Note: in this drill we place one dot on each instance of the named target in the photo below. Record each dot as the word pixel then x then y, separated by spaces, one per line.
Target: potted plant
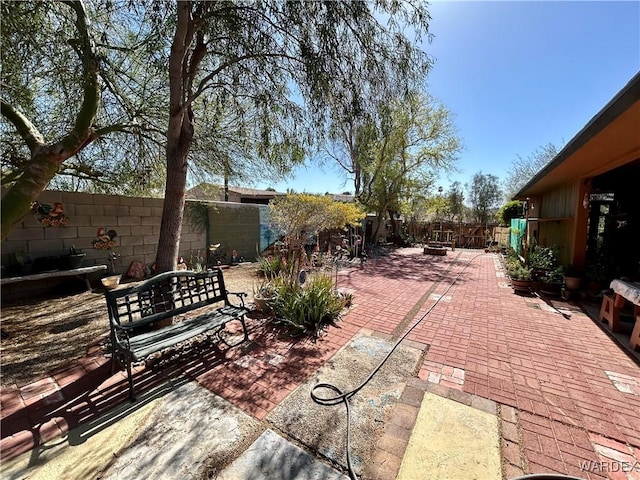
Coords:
pixel 551 281
pixel 520 277
pixel 542 260
pixel 572 278
pixel 264 297
pixel 74 259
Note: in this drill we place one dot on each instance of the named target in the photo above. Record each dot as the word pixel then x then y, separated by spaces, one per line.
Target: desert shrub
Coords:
pixel 271 266
pixel 307 308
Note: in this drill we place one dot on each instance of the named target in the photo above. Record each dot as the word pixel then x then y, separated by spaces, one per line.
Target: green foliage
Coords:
pixel 198 213
pixel 484 194
pixel 509 210
pixel 294 213
pixel 307 308
pixel 271 266
pixel 455 197
pixel 415 138
pixel 524 169
pixel 554 275
pixel 267 290
pixel 198 261
pixel 543 258
pixel 517 271
pixel 515 267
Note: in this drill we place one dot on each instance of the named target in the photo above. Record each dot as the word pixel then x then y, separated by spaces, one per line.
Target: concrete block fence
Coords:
pixel 137 224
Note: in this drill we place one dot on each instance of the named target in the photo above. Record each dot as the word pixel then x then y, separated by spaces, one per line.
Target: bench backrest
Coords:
pixel 164 296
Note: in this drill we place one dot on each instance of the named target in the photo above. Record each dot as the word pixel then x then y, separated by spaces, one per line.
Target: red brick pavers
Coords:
pixel 551 377
pixel 554 372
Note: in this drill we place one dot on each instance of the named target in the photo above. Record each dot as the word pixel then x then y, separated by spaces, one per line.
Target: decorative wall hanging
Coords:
pixel 104 240
pixel 50 216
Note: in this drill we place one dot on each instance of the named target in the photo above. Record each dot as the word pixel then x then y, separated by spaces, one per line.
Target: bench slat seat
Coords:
pixel 144 344
pixel 137 314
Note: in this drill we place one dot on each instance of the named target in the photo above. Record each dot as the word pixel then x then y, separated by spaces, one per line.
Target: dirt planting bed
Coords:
pixel 42 334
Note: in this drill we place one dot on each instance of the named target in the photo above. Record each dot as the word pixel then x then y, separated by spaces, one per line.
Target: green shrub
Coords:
pixel 271 266
pixel 543 258
pixel 307 308
pixel 517 271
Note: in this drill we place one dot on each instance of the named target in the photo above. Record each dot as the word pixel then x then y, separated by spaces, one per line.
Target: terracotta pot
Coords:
pixel 572 283
pixel 521 285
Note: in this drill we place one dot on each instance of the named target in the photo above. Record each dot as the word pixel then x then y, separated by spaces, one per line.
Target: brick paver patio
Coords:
pixel 568 397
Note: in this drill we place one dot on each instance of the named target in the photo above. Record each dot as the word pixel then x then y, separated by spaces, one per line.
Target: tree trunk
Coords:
pixel 179 140
pixel 16 204
pixel 374 237
pixel 178 147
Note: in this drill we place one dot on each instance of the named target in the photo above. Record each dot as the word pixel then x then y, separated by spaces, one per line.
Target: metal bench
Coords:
pixel 137 315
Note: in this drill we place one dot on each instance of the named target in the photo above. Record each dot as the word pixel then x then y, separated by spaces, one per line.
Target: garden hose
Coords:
pixel 344 397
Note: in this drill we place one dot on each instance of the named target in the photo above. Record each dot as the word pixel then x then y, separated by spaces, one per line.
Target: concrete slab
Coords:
pixel 453 441
pixel 85 451
pixel 190 435
pixel 322 429
pixel 271 456
pixel 177 431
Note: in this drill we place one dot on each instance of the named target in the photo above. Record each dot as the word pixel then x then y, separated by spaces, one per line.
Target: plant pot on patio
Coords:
pixel 264 297
pixel 73 260
pixel 519 286
pixel 550 288
pixel 520 278
pixel 263 304
pixel 572 283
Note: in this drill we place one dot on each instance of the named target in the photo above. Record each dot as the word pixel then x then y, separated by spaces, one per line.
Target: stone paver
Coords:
pixel 565 392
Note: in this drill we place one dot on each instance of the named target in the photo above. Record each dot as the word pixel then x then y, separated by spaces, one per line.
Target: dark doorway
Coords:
pixel 614 223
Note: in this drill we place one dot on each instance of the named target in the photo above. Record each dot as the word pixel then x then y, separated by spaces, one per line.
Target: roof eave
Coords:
pixel 623 100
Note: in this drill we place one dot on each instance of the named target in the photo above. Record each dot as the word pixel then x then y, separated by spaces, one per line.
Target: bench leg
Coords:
pixel 244 328
pixel 634 341
pixel 610 313
pixel 132 396
pixel 219 334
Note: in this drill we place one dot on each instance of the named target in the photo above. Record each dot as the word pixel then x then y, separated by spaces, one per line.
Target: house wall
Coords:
pixel 559 203
pixel 556 218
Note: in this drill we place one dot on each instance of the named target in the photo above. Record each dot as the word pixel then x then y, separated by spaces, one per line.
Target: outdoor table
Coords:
pixel 81 273
pixel 628 292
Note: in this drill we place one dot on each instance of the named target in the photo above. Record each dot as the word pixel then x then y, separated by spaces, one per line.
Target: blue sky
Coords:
pixel 516 76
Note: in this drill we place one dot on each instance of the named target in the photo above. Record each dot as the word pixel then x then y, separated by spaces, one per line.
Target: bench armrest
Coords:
pixel 240 296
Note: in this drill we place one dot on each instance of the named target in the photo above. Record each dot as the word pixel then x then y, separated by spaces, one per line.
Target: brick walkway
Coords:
pixel 568 397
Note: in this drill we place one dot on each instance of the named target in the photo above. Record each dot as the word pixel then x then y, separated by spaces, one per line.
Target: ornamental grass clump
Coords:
pixel 271 266
pixel 307 308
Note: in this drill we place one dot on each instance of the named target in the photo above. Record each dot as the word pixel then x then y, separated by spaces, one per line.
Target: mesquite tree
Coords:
pixel 75 93
pixel 337 56
pixel 47 157
pixel 398 156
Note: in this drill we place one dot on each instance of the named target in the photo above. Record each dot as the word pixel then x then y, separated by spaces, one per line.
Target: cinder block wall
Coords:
pixel 136 221
pixel 235 226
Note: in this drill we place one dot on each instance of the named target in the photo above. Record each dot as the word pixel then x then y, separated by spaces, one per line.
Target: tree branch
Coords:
pixel 27 130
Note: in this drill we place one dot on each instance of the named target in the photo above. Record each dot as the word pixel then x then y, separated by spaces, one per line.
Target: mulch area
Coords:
pixel 46 333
